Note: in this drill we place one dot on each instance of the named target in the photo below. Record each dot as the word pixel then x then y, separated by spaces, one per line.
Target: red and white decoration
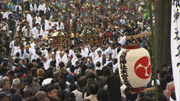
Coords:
pixel 134 67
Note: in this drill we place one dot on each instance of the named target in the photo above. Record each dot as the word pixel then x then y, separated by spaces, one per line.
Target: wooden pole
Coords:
pixel 138 35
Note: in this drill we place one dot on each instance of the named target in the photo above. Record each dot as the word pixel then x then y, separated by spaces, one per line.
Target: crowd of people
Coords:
pixel 33 67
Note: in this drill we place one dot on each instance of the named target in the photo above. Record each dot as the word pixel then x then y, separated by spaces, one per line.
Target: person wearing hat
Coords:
pixel 70 79
pixel 23 40
pixel 27 52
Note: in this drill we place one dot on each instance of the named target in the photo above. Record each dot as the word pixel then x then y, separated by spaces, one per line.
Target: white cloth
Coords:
pixel 20 8
pixel 122 88
pixel 23 29
pixel 6 15
pixel 37 34
pixel 47 56
pixel 18 25
pixel 60 26
pixel 11 45
pixel 44 52
pixel 98 68
pixel 46 81
pixel 158 82
pixel 34 30
pixel 115 53
pixel 78 95
pixel 98 59
pixel 38 19
pixel 85 51
pixel 71 52
pixel 98 49
pixel 74 59
pixel 42 7
pixel 46 67
pixel 27 55
pixel 114 67
pixel 140 24
pixel 122 40
pixel 29 19
pixel 33 8
pixel 108 52
pixel 93 55
pixel 34 56
pixel 15 50
pixel 47 27
pixel 20 52
pixel 59 59
pixel 32 44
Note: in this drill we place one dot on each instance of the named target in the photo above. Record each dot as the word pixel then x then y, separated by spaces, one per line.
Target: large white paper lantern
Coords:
pixel 134 68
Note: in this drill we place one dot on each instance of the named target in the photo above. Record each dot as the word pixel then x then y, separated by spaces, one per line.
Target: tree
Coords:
pixel 162 32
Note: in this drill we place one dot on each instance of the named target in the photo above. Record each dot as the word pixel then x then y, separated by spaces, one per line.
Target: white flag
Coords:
pixel 175 45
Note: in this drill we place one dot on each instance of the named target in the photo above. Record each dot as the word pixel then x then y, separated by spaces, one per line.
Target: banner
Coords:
pixel 175 45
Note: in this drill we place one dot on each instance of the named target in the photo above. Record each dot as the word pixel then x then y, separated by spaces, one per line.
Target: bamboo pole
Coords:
pixel 153 52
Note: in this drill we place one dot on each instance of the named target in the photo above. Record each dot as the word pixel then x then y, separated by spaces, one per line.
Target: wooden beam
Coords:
pixel 138 35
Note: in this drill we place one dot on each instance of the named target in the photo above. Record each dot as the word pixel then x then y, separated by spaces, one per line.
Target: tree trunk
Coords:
pixel 162 32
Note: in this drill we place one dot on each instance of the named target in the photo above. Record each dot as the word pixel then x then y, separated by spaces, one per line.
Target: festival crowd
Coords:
pixel 33 67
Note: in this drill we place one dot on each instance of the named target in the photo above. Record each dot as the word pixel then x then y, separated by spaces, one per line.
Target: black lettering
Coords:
pixel 176 2
pixel 178 64
pixel 178 48
pixel 123 67
pixel 177 37
pixel 176 15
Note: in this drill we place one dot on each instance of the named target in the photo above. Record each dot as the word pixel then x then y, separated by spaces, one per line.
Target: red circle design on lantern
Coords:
pixel 142 68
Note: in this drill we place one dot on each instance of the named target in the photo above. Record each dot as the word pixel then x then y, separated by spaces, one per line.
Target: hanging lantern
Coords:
pixel 134 68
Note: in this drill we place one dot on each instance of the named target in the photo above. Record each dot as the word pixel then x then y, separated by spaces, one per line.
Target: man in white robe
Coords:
pixel 98 57
pixel 53 58
pixel 61 56
pixel 93 54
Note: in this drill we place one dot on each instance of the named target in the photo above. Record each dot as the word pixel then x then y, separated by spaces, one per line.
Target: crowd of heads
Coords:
pixel 35 67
